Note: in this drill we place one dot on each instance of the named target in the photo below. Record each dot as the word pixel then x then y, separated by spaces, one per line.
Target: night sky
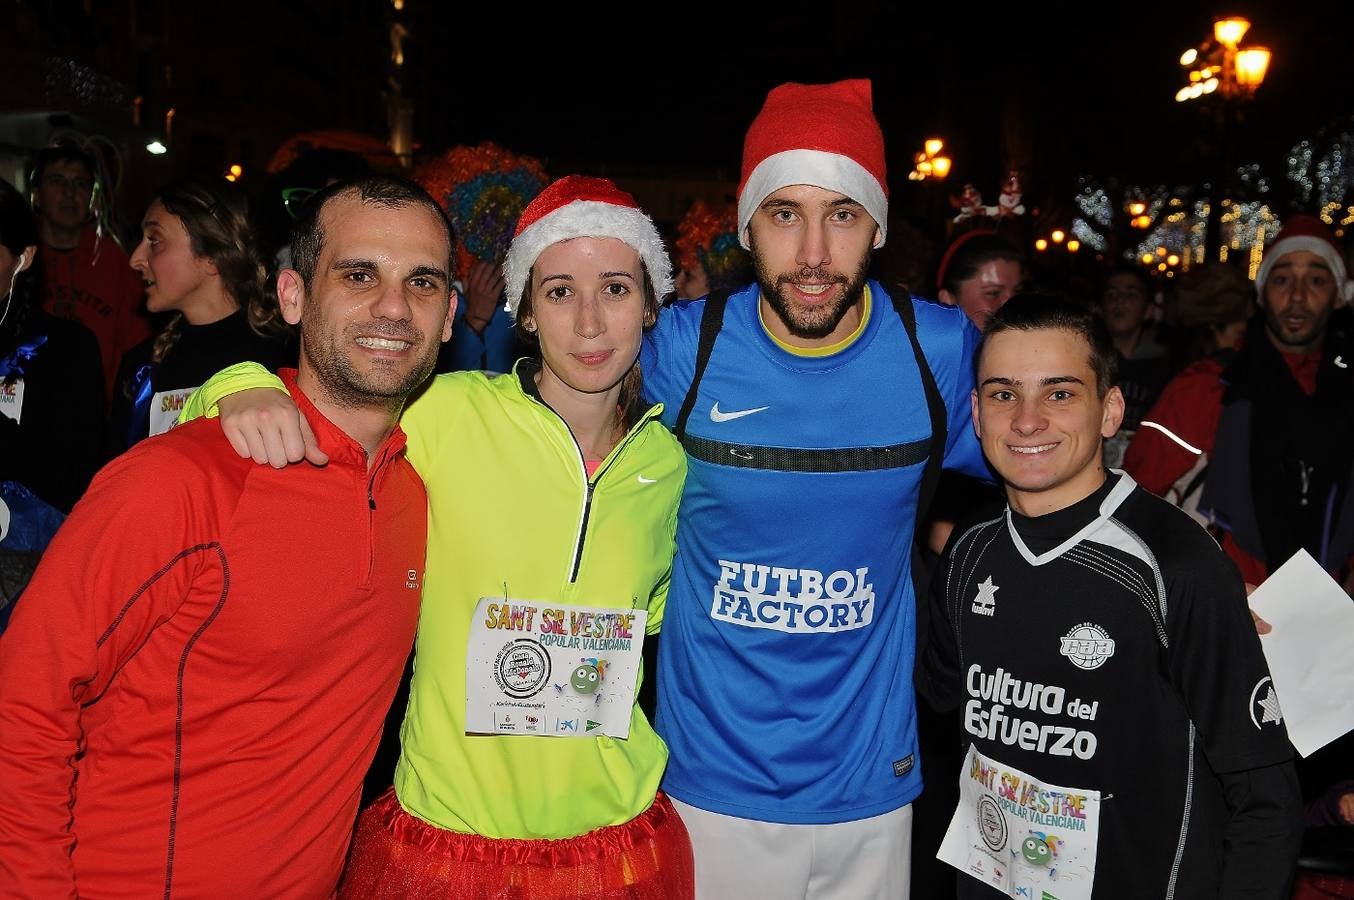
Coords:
pixel 1078 97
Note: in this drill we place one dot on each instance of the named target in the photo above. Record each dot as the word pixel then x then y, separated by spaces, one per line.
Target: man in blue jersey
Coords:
pixel 815 410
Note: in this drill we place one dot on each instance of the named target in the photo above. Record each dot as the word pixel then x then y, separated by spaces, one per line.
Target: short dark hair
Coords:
pixel 393 191
pixel 970 252
pixel 1134 271
pixel 1033 312
pixel 62 153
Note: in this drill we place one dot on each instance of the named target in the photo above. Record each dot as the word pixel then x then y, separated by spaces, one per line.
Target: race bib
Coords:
pixel 549 670
pixel 12 399
pixel 1021 836
pixel 165 407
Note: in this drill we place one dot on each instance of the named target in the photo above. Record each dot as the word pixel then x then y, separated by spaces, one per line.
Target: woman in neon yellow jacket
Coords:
pixel 527 768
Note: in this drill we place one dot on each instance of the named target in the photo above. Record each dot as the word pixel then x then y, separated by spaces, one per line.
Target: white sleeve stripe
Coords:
pixel 1172 435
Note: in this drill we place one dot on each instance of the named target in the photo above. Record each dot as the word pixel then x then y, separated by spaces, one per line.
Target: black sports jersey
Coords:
pixel 1108 646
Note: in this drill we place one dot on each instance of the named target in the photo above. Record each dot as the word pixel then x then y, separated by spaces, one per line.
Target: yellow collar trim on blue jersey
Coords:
pixel 831 348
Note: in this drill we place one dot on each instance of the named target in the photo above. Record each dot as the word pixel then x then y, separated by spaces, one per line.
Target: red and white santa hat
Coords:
pixel 824 135
pixel 578 206
pixel 1306 232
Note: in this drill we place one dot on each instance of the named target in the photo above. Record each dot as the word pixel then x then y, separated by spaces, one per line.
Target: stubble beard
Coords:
pixel 384 387
pixel 812 323
pixel 1296 341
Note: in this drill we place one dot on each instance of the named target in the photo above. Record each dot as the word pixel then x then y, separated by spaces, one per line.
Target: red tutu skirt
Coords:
pixel 396 855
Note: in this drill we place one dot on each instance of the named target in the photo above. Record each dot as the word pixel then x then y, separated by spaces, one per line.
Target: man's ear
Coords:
pixel 452 298
pixel 973 409
pixel 1114 413
pixel 291 295
pixel 947 298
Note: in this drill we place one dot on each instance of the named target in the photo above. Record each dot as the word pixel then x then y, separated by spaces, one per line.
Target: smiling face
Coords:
pixel 1039 418
pixel 1036 852
pixel 377 307
pixel 587 308
pixel 811 250
pixel 584 679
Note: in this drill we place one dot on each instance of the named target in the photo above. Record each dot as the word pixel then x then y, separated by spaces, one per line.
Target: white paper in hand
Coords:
pixel 1310 651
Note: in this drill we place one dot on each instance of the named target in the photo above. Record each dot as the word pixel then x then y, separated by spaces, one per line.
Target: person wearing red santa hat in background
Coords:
pixel 1269 434
pixel 554 486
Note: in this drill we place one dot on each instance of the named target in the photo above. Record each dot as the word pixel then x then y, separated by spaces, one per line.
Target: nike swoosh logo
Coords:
pixel 718 415
pixel 643 480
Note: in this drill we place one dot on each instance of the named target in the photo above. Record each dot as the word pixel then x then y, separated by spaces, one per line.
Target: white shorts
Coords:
pixel 868 859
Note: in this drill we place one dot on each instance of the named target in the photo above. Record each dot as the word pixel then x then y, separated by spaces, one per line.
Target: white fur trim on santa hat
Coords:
pixel 586 218
pixel 1344 288
pixel 830 171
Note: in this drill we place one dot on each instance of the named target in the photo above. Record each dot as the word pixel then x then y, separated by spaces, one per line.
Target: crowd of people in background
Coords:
pixel 776 441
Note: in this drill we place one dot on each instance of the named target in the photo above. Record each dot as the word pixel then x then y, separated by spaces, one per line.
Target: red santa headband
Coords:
pixel 1304 232
pixel 823 135
pixel 578 206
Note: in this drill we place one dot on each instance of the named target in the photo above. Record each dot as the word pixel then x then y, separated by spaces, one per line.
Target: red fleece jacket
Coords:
pixel 194 683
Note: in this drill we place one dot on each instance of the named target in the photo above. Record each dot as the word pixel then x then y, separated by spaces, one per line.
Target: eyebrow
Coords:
pixel 1315 263
pixel 776 202
pixel 428 272
pixel 566 277
pixel 367 265
pixel 1043 382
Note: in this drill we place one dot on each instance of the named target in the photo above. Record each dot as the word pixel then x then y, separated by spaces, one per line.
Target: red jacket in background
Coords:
pixel 194 683
pixel 1177 433
pixel 1172 446
pixel 94 285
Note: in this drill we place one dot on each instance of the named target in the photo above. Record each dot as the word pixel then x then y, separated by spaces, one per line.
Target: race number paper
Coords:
pixel 549 670
pixel 12 399
pixel 165 407
pixel 1021 836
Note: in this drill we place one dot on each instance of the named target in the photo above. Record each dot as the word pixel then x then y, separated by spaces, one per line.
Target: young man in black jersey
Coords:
pixel 1124 737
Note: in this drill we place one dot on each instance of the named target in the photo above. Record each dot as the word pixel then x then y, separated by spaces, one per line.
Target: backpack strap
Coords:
pixel 712 320
pixel 934 405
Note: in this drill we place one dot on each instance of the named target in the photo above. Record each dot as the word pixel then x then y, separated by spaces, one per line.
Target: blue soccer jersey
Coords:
pixel 785 675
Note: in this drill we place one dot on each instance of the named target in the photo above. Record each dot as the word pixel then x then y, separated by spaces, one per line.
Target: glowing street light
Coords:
pixel 1229 75
pixel 930 163
pixel 1226 69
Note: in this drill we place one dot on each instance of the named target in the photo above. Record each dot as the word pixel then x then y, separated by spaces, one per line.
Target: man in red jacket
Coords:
pixel 195 680
pixel 84 272
pixel 1260 441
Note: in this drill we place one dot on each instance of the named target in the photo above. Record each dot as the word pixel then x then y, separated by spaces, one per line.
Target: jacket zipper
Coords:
pixel 381 459
pixel 591 483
